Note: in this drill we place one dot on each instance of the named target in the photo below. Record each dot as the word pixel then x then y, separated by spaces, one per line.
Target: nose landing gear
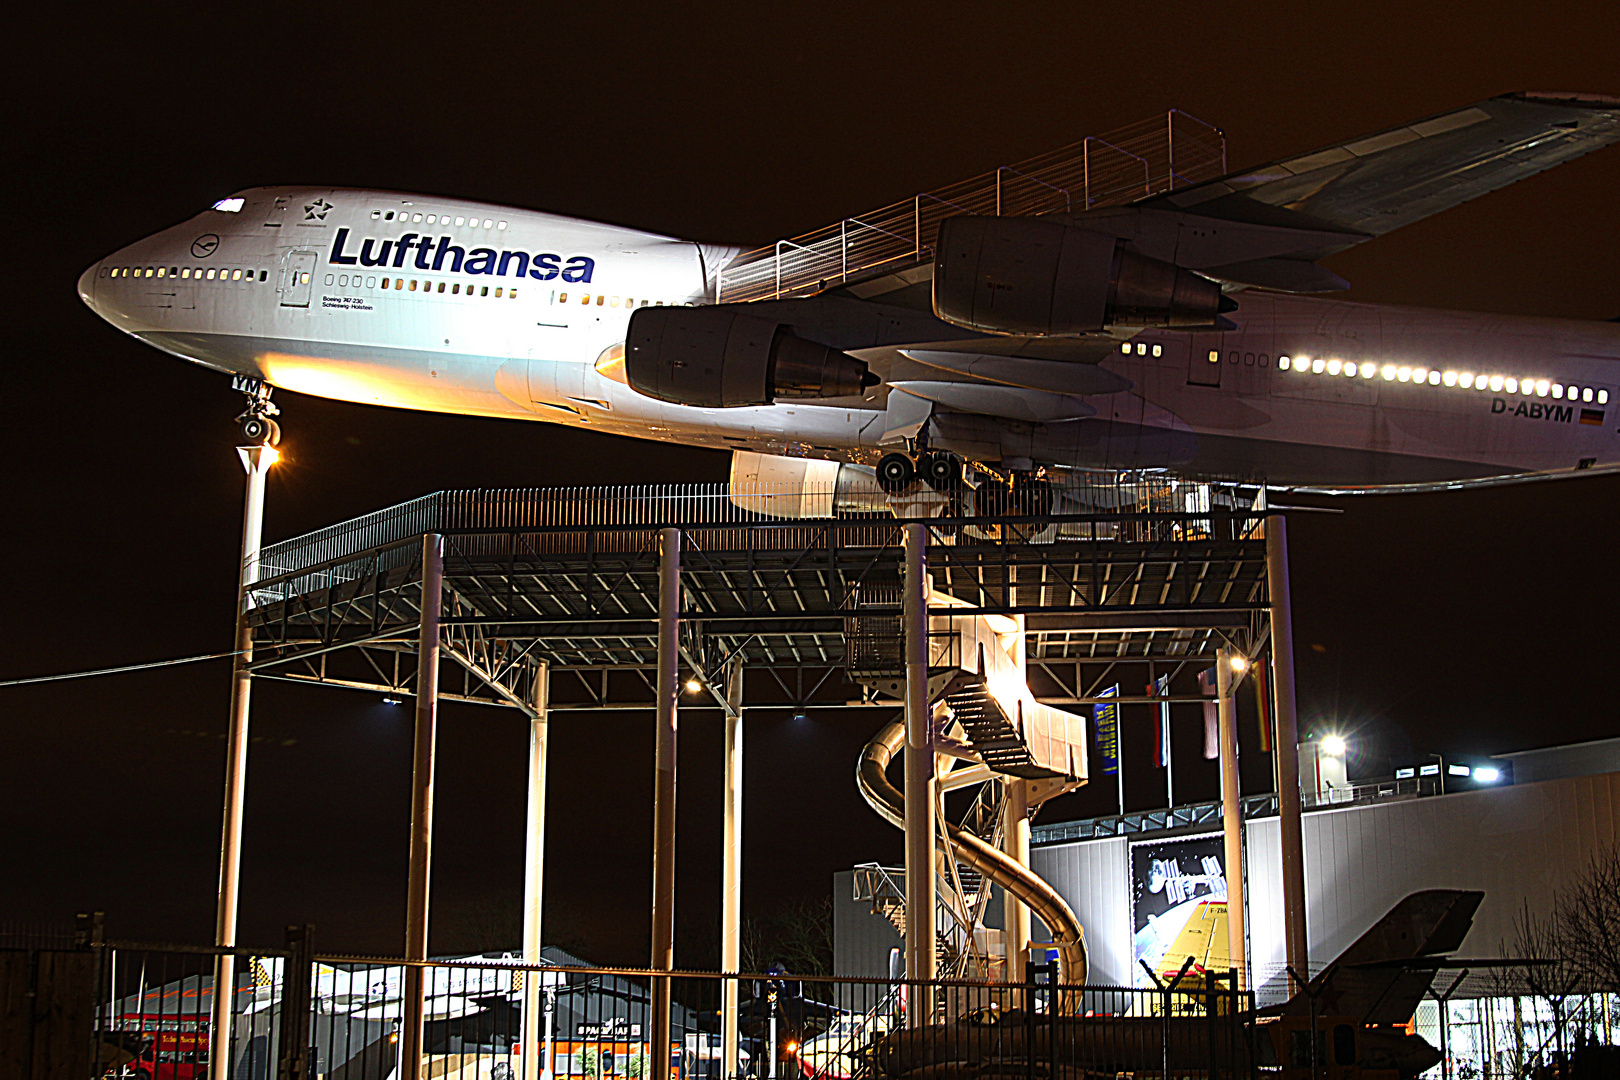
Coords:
pixel 256 425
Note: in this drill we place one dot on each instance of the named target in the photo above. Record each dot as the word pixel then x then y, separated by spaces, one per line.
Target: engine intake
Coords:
pixel 1039 276
pixel 721 357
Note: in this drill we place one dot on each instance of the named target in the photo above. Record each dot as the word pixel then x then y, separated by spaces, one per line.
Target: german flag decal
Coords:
pixel 1592 416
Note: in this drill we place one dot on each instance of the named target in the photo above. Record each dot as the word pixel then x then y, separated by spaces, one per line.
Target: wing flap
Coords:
pixel 1377 183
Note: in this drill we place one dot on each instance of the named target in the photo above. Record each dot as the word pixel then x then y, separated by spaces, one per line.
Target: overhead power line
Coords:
pixel 114 670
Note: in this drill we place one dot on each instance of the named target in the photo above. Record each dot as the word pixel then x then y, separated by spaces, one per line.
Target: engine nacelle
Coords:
pixel 721 357
pixel 787 487
pixel 1039 276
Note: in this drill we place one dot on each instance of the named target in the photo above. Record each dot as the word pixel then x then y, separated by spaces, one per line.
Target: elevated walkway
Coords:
pixel 1129 163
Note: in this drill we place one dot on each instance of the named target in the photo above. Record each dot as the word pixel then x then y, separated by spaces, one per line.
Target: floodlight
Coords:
pixel 1487 774
pixel 1429 770
pixel 693 686
pixel 1405 774
pixel 1240 663
pixel 1458 770
pixel 1333 745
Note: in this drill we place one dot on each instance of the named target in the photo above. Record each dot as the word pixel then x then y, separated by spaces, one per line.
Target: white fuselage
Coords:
pixel 450 306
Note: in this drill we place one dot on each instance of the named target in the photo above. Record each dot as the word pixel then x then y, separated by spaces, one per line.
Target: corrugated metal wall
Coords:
pixel 1518 843
pixel 1094 878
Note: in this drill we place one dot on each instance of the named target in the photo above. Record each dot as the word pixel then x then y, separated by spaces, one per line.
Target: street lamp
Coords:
pixel 1334 745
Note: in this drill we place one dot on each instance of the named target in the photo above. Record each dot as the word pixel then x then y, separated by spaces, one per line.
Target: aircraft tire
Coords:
pixel 943 471
pixel 895 473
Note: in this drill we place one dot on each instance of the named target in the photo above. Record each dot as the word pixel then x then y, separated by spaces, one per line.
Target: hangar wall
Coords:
pixel 1519 843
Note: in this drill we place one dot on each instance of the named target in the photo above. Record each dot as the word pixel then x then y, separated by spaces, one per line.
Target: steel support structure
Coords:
pixel 418 879
pixel 921 787
pixel 731 872
pixel 1231 818
pixel 256 460
pixel 667 690
pixel 1285 742
pixel 534 868
pixel 1015 842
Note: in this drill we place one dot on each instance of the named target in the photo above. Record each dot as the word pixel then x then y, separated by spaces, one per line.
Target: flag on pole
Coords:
pixel 1262 697
pixel 1160 687
pixel 1106 720
pixel 1212 715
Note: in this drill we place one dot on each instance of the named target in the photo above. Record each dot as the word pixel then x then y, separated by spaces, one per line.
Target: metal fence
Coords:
pixel 1126 164
pixel 497 1018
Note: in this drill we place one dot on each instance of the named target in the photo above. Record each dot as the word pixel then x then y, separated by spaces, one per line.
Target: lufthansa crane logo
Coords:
pixel 316 211
pixel 205 245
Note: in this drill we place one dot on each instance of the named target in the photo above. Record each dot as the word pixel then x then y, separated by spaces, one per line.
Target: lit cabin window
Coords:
pixel 413 284
pixel 416 217
pixel 488 223
pixel 375 214
pixel 431 218
pixel 562 298
pixel 385 283
pixel 500 225
pixel 497 292
pixel 629 302
pixel 1558 390
pixel 461 221
pixel 1283 362
pixel 1141 349
pixel 1434 378
pixel 455 289
pixel 511 294
pixel 210 274
pixel 484 291
pixel 1586 393
pixel 584 298
pixel 1158 350
pixel 1603 397
pixel 185 273
pixel 1317 366
pixel 1125 348
pixel 441 287
pixel 236 275
pixel 1496 383
pixel 599 298
pixel 614 302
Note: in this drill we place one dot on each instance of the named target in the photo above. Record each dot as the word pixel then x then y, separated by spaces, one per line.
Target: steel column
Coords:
pixel 534 862
pixel 731 871
pixel 256 460
pixel 921 790
pixel 1231 817
pixel 1285 740
pixel 1015 842
pixel 666 689
pixel 421 858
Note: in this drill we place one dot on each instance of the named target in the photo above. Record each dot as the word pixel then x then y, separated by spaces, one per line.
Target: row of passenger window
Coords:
pixel 435 219
pixel 197 273
pixel 453 288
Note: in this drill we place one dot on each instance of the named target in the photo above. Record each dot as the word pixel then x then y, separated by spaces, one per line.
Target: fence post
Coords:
pixel 292 1060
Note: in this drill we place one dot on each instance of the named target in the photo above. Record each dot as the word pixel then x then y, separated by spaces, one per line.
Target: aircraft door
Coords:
pixel 1204 360
pixel 297 271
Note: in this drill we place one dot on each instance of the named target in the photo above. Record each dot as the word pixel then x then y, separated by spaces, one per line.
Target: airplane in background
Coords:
pixel 1171 331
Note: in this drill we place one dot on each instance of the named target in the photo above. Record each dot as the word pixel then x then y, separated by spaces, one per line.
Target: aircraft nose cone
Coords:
pixel 87 285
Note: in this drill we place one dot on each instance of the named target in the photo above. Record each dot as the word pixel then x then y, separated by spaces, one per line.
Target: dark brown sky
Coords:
pixel 1462 623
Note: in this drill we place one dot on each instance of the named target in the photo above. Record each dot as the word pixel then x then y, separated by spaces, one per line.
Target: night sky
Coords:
pixel 1464 624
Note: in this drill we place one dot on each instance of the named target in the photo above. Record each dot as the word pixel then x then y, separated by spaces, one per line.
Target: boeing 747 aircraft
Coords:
pixel 1170 330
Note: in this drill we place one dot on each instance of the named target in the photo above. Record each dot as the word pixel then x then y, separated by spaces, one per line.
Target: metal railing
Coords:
pixel 1076 506
pixel 1141 159
pixel 337 1016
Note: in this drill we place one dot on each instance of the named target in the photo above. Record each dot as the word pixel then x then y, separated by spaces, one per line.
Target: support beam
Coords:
pixel 731 872
pixel 666 689
pixel 1231 816
pixel 1285 741
pixel 920 790
pixel 257 461
pixel 1015 842
pixel 421 858
pixel 534 862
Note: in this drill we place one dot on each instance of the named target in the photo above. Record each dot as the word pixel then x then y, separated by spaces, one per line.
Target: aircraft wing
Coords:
pixel 1377 183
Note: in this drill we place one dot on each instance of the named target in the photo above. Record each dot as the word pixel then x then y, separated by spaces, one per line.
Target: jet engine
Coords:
pixel 721 357
pixel 787 487
pixel 1040 276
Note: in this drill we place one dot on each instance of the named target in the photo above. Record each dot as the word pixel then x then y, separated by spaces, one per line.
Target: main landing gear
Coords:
pixel 942 471
pixel 256 424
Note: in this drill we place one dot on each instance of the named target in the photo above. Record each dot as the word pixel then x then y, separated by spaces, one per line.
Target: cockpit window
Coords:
pixel 229 206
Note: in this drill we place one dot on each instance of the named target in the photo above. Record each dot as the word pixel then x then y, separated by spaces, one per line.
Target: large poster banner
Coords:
pixel 1178 906
pixel 1106 720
